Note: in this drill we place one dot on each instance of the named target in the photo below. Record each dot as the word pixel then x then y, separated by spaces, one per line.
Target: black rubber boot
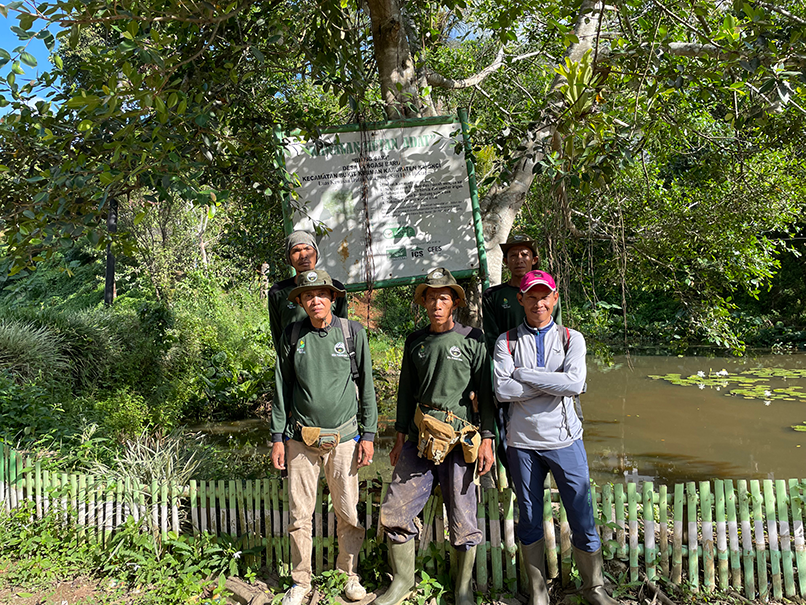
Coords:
pixel 463 593
pixel 590 566
pixel 534 559
pixel 401 560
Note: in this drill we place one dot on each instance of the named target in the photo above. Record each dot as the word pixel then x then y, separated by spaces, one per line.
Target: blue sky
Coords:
pixel 9 41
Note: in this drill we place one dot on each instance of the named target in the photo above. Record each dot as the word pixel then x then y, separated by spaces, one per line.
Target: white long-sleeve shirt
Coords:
pixel 541 411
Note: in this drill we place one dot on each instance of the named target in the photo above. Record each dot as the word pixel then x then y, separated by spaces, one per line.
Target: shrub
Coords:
pixel 28 350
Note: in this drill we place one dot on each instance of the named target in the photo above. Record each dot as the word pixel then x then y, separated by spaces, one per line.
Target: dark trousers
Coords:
pixel 412 482
pixel 569 466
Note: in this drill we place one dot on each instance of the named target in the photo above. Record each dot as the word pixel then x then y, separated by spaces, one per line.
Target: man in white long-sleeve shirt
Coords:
pixel 540 368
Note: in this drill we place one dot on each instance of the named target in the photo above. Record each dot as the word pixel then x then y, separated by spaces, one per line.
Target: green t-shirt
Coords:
pixel 440 370
pixel 314 384
pixel 283 312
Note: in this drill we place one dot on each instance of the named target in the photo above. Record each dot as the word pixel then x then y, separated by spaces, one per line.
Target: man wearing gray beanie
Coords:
pixel 302 253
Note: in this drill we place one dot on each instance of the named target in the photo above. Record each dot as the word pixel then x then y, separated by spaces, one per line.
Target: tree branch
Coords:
pixel 684 23
pixel 781 11
pixel 440 81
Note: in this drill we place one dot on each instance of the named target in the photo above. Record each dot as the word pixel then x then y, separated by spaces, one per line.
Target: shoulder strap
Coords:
pixel 512 335
pixel 349 343
pixel 295 328
pixel 565 336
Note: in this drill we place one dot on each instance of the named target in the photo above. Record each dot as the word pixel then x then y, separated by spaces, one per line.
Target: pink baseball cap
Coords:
pixel 537 278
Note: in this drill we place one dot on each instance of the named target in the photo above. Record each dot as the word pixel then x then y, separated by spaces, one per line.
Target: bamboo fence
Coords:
pixel 745 536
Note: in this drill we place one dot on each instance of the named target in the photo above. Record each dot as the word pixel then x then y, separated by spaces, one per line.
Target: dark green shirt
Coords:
pixel 501 311
pixel 283 312
pixel 315 386
pixel 440 371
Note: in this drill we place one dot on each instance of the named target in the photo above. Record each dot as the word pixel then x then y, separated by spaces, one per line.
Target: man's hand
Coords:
pixel 394 455
pixel 486 456
pixel 278 455
pixel 366 449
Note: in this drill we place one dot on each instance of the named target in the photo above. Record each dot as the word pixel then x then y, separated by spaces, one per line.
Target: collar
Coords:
pixel 542 330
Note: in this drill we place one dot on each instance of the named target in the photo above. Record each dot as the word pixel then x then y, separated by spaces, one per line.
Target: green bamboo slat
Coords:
pixel 621 534
pixel 693 546
pixel 552 567
pixel 46 495
pixel 796 503
pixel 240 500
pixel 100 507
pixel 164 510
pixel 772 535
pixel 632 520
pixel 608 520
pixel 429 512
pixel 331 534
pixel 319 528
pixel 29 480
pixel 175 508
pixel 482 549
pixel 257 536
pixel 733 536
pixel 439 530
pixel 109 511
pixel 154 517
pixel 663 520
pixel 384 488
pixel 244 515
pixel 204 506
pixel 119 518
pixel 565 547
pixel 285 539
pixel 141 503
pixel 54 494
pixel 721 535
pixel 267 523
pixel 275 521
pixel 194 507
pixel 510 546
pixel 235 508
pixel 12 479
pixel 761 551
pixel 20 483
pixel 222 505
pixel 38 481
pixel 73 499
pixel 91 505
pixel 368 517
pixel 650 552
pixel 82 506
pixel 707 517
pixel 747 540
pixel 782 500
pixel 496 549
pixel 3 478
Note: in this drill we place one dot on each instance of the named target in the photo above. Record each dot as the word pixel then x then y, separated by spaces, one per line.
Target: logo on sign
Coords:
pixel 398 232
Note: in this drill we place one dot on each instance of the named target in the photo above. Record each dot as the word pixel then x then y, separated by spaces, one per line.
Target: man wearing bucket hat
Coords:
pixel 438 435
pixel 540 376
pixel 326 422
pixel 302 253
pixel 501 311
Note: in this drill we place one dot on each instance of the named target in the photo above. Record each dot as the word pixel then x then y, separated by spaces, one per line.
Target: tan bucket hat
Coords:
pixel 439 278
pixel 311 280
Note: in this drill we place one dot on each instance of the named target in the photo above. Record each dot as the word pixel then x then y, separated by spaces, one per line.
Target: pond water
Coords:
pixel 649 428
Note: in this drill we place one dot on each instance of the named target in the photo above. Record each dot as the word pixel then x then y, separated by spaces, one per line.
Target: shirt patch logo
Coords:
pixel 505 304
pixel 340 348
pixel 311 276
pixel 421 353
pixel 301 346
pixel 291 305
pixel 455 353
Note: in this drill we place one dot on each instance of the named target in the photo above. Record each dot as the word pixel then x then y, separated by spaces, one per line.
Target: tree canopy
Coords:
pixel 658 139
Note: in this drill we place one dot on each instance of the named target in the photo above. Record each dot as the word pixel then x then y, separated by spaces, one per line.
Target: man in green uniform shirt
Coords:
pixel 326 422
pixel 444 378
pixel 302 253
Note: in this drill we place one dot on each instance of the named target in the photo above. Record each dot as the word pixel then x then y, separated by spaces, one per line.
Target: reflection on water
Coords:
pixel 650 429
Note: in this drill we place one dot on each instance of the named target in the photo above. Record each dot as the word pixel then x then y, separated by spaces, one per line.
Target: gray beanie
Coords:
pixel 300 237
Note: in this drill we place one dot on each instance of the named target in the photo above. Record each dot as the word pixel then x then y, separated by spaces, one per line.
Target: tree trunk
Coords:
pixel 110 292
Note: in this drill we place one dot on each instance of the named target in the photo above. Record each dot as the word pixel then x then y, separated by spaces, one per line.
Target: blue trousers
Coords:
pixel 569 466
pixel 412 482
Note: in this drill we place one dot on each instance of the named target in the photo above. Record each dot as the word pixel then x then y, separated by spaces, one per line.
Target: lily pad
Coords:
pixel 749 384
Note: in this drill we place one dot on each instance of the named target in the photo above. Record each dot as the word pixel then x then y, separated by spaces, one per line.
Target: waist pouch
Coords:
pixel 327 439
pixel 436 439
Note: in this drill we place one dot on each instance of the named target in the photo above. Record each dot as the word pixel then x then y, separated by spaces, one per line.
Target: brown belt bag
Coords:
pixel 436 439
pixel 327 439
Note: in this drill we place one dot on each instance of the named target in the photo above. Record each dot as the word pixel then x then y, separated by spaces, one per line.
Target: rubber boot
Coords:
pixel 534 559
pixel 590 566
pixel 463 586
pixel 401 560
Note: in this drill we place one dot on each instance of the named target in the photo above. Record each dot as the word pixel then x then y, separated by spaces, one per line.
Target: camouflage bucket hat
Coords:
pixel 312 280
pixel 439 278
pixel 518 239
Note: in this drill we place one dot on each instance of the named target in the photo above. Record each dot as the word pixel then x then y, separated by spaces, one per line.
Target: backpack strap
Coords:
pixel 565 336
pixel 512 335
pixel 295 328
pixel 350 344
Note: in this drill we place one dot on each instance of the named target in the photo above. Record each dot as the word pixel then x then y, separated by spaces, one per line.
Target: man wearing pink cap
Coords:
pixel 539 368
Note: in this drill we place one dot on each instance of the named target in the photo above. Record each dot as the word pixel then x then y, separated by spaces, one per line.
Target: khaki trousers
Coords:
pixel 341 473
